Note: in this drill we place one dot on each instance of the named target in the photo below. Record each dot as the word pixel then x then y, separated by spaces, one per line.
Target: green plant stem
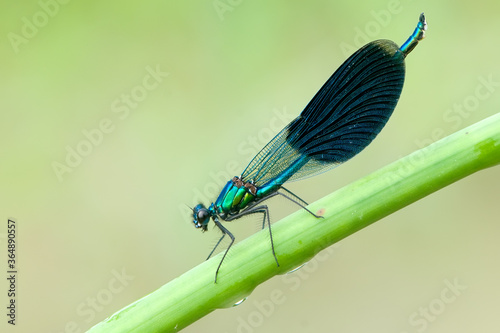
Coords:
pixel 298 237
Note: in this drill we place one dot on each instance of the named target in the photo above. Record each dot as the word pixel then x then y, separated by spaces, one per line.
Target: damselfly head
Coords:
pixel 201 216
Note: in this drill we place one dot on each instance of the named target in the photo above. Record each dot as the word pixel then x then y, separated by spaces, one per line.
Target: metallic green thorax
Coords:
pixel 238 194
pixel 235 196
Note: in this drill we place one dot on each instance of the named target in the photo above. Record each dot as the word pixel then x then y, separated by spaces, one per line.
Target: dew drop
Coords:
pixel 296 268
pixel 240 301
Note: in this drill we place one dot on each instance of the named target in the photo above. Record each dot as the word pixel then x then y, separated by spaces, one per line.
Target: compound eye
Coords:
pixel 201 216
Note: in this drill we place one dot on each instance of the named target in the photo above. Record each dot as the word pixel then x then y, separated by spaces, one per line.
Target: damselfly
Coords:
pixel 344 116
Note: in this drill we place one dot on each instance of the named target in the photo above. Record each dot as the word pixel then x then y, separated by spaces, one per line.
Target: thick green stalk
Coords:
pixel 298 237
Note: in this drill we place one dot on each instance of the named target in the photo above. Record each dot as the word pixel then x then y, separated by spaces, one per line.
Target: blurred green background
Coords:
pixel 116 115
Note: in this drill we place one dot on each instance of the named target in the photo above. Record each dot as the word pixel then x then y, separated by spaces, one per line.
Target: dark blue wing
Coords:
pixel 344 116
